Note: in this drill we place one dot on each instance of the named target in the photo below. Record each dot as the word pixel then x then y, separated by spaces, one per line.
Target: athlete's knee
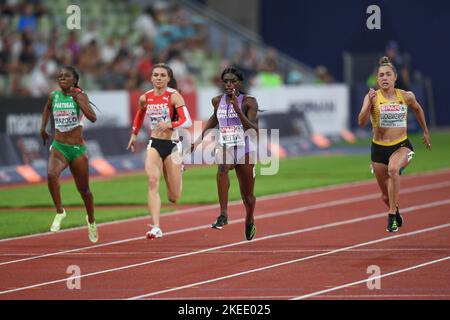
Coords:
pixel 393 170
pixel 85 191
pixel 153 182
pixel 249 199
pixel 173 196
pixel 222 171
pixel 52 177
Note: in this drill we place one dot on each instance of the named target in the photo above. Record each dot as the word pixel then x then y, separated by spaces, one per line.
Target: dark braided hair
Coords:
pixel 76 75
pixel 233 70
pixel 239 74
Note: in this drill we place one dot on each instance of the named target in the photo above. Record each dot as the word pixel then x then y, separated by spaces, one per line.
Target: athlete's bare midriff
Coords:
pixel 167 134
pixel 73 137
pixel 386 135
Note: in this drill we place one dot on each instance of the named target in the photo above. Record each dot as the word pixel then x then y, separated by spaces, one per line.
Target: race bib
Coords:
pixel 66 120
pixel 393 116
pixel 159 115
pixel 232 136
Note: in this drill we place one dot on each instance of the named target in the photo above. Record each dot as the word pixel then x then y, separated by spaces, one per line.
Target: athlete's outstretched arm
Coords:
pixel 411 101
pixel 45 117
pixel 137 123
pixel 364 115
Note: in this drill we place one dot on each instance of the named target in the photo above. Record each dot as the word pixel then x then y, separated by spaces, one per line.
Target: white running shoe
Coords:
pixel 93 234
pixel 154 233
pixel 56 225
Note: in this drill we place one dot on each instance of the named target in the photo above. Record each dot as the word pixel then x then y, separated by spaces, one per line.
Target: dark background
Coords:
pixel 319 31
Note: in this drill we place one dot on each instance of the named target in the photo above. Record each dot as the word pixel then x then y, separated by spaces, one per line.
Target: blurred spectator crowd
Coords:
pixel 117 45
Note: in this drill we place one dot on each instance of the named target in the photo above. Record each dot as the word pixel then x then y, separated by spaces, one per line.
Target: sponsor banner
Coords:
pixel 22 150
pixel 29 150
pixel 21 115
pixel 325 107
pixel 113 109
pixel 98 167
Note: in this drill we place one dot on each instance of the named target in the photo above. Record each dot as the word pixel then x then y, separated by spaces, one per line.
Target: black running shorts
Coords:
pixel 381 154
pixel 164 147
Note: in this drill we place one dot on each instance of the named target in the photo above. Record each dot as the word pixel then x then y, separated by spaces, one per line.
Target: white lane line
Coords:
pixel 258 216
pixel 318 293
pixel 289 262
pixel 239 202
pixel 330 225
pixel 131 253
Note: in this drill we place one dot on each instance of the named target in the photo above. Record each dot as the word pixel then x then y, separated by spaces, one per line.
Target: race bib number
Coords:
pixel 66 119
pixel 393 116
pixel 159 115
pixel 232 136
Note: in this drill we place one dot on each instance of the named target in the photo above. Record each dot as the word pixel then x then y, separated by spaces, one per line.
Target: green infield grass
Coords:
pixel 199 184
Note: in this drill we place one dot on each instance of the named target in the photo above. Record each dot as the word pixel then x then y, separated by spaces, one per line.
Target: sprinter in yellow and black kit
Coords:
pixel 391 150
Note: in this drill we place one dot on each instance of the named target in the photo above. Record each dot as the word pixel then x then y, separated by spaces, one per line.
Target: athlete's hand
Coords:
pixel 372 94
pixel 234 101
pixel 427 140
pixel 45 136
pixel 75 91
pixel 131 142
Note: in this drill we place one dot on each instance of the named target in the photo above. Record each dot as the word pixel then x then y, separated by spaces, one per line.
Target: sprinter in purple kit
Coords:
pixel 235 114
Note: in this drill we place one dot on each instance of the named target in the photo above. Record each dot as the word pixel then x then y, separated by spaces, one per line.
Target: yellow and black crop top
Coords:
pixel 389 114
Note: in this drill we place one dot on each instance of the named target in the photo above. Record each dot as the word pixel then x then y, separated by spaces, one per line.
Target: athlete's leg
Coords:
pixel 381 173
pixel 398 160
pixel 173 176
pixel 153 168
pixel 80 171
pixel 56 164
pixel 246 178
pixel 223 180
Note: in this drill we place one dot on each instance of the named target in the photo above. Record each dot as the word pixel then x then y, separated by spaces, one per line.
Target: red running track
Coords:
pixel 315 244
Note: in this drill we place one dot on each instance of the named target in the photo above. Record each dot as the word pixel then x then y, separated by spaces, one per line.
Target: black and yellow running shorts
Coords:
pixel 381 154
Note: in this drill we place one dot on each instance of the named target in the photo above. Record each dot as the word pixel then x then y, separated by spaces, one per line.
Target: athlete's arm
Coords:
pixel 184 120
pixel 248 113
pixel 82 100
pixel 45 117
pixel 364 115
pixel 137 123
pixel 139 117
pixel 411 101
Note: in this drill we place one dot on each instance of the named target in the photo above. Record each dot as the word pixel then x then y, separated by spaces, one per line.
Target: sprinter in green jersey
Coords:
pixel 68 149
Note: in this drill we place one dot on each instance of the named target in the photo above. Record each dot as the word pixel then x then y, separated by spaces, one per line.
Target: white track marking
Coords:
pixel 239 202
pixel 291 262
pixel 259 216
pixel 131 253
pixel 330 225
pixel 317 293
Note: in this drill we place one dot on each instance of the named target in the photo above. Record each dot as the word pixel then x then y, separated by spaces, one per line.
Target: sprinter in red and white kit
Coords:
pixel 166 110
